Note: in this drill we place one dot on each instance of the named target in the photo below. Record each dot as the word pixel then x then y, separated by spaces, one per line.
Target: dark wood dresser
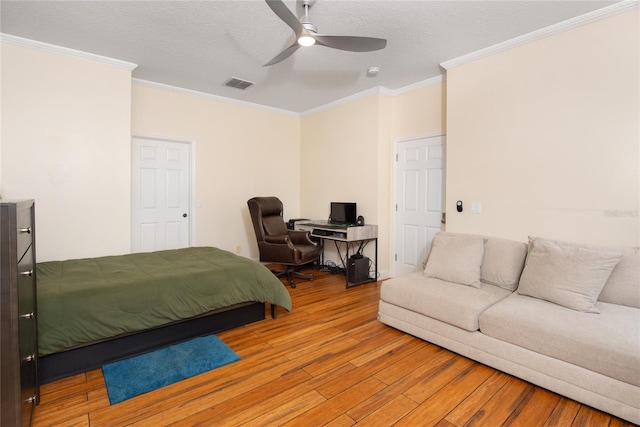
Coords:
pixel 19 388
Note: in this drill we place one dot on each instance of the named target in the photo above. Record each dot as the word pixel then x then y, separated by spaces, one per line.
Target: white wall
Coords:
pixel 240 152
pixel 546 137
pixel 66 144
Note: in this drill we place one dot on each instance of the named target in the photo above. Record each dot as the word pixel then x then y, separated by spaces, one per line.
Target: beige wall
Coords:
pixel 420 112
pixel 546 137
pixel 66 144
pixel 240 153
pixel 339 160
pixel 348 154
pixel 339 155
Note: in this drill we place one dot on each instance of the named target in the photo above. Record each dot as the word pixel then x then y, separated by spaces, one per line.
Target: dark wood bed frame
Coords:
pixel 92 356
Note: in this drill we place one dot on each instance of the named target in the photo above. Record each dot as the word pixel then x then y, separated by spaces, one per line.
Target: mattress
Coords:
pixel 81 301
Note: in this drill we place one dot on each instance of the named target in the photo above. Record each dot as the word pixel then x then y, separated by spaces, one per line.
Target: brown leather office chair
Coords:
pixel 276 243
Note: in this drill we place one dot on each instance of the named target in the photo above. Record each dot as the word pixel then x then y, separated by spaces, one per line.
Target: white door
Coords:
pixel 419 200
pixel 160 195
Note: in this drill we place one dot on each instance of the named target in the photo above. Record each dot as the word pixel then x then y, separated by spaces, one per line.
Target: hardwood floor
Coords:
pixel 328 362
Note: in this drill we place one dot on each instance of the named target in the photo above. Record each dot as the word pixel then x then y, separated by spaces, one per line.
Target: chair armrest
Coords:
pixel 299 237
pixel 278 249
pixel 283 239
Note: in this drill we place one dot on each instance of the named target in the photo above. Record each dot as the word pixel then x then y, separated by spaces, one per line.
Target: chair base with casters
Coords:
pixel 279 245
pixel 290 273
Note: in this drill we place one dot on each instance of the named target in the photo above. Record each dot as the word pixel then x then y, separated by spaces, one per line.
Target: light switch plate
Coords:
pixel 475 207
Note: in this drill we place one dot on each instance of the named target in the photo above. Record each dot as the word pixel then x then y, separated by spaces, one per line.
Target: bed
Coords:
pixel 96 310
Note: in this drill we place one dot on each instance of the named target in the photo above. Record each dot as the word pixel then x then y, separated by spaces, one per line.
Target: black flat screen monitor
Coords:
pixel 343 213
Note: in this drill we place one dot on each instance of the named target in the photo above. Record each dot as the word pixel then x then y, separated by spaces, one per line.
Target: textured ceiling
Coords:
pixel 198 45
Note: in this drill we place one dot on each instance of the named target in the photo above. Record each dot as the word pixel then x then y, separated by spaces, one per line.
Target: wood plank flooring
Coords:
pixel 327 363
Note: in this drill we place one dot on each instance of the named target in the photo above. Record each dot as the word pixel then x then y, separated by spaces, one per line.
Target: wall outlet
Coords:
pixel 237 249
pixel 475 207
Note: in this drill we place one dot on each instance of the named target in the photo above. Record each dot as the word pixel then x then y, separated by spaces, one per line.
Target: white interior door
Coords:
pixel 160 195
pixel 419 200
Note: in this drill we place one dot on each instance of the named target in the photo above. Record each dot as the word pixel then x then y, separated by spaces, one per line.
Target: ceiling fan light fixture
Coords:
pixel 306 40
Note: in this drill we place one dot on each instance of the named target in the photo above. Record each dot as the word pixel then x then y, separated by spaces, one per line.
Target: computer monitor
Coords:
pixel 343 213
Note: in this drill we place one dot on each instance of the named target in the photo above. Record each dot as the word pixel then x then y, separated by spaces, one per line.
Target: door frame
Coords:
pixel 192 179
pixel 394 193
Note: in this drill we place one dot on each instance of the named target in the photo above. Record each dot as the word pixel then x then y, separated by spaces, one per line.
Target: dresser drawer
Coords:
pixel 26 283
pixel 28 393
pixel 24 228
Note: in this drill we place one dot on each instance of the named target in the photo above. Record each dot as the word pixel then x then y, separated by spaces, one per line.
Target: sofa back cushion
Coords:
pixel 566 274
pixel 623 285
pixel 502 260
pixel 456 259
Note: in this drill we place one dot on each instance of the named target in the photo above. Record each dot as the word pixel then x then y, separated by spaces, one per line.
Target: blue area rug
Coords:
pixel 139 374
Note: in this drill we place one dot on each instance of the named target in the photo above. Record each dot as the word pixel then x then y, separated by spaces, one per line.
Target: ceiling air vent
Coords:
pixel 238 83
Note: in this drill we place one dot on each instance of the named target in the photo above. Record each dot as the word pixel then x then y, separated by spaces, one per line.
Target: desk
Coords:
pixel 348 235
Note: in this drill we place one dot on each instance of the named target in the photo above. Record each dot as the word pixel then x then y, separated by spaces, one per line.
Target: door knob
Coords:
pixel 184 215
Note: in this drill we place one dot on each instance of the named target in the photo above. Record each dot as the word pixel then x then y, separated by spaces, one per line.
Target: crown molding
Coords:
pixel 419 85
pixel 66 51
pixel 378 90
pixel 544 32
pixel 211 97
pixel 347 99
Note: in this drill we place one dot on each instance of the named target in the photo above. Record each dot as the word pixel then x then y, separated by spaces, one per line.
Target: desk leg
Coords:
pixel 375 278
pixel 346 267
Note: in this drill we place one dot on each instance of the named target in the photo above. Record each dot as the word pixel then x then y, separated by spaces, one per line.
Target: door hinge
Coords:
pixel 396 157
pixel 396 257
pixel 396 207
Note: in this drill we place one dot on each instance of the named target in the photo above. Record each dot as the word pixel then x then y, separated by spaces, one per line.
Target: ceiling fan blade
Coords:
pixel 283 12
pixel 284 54
pixel 351 43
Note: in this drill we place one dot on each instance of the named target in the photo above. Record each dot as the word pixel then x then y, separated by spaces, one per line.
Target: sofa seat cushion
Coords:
pixel 448 302
pixel 608 343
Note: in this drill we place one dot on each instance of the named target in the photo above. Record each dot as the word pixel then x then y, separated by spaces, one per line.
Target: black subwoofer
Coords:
pixel 358 269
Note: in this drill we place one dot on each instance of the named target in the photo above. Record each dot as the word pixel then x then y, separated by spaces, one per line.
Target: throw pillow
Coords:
pixel 565 274
pixel 455 259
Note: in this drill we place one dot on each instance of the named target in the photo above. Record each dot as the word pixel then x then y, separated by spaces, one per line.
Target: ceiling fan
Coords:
pixel 307 34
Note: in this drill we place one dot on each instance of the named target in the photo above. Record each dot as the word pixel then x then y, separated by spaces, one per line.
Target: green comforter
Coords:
pixel 86 300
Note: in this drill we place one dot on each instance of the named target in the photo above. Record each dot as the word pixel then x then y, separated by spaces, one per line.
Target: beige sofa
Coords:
pixel 560 315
